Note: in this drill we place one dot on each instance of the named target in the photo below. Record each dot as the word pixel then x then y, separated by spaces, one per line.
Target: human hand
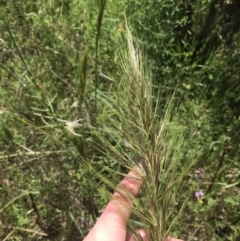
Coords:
pixel 111 226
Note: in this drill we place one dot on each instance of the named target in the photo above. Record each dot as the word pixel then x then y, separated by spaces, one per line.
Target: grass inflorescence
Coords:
pixel 142 128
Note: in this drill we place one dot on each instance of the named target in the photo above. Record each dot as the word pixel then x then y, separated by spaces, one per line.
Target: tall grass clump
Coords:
pixel 134 126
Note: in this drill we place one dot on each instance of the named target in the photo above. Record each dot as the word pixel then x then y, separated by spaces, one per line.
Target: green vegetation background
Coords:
pixel 56 57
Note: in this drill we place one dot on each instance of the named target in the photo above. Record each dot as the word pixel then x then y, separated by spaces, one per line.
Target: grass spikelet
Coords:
pixel 143 128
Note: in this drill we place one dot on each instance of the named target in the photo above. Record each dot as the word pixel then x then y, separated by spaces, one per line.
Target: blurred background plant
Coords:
pixel 60 69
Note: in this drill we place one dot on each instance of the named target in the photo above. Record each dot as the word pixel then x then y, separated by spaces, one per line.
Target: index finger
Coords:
pixel 114 218
pixel 122 200
pixel 127 189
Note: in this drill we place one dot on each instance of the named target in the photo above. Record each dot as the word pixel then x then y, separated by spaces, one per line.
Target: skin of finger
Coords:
pixel 112 223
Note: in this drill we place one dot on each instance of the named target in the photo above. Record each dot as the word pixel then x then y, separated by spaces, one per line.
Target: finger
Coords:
pixel 142 234
pixel 119 208
pixel 114 218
